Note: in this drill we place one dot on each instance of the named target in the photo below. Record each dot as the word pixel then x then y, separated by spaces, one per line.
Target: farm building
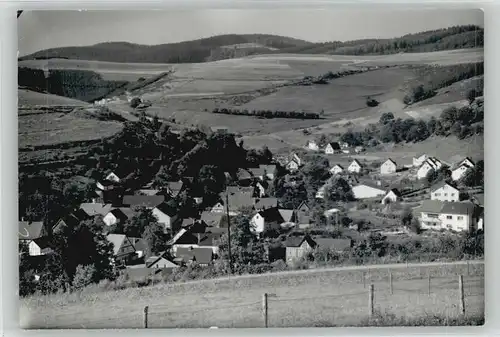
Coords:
pixel 336 169
pixel 430 164
pixel 312 145
pixel 238 199
pixel 366 191
pixel 160 261
pixel 419 160
pixel 444 191
pixel 459 170
pixel 388 167
pixel 40 246
pixel 354 167
pixel 392 196
pixel 123 249
pixel 332 148
pixel 298 246
pixel 292 165
pixel 458 216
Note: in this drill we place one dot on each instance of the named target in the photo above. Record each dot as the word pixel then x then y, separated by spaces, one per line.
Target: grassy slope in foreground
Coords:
pixel 304 298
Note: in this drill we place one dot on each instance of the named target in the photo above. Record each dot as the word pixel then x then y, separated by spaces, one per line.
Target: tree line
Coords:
pixel 268 113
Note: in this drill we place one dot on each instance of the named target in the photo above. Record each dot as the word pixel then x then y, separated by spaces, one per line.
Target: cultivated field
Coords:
pixel 32 98
pixel 39 129
pixel 304 298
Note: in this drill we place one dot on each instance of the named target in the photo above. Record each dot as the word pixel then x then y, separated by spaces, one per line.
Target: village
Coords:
pixel 379 198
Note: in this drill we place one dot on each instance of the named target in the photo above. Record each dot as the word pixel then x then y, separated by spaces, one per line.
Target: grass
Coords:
pixel 56 128
pixel 32 98
pixel 302 298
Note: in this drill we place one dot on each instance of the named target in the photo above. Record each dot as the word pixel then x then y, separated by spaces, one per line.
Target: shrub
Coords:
pixel 84 275
pixel 134 103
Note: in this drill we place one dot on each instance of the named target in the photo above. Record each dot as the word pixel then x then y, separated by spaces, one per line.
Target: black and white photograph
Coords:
pixel 250 168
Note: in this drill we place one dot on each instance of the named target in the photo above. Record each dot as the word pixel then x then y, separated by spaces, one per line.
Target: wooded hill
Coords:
pixel 231 46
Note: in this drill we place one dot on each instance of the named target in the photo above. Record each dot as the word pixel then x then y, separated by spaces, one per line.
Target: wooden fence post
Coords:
pixel 429 284
pixel 468 271
pixel 364 280
pixel 145 324
pixel 370 299
pixel 390 282
pixel 461 290
pixel 264 309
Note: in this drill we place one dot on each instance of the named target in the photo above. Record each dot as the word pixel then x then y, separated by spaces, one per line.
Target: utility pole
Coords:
pixel 229 235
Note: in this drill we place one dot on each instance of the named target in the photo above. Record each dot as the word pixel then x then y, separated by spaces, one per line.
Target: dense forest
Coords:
pixel 210 49
pixel 83 85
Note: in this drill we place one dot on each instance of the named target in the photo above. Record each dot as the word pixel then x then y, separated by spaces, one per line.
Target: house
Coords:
pixel 393 195
pixel 260 190
pixel 237 200
pixel 459 170
pixel 388 167
pixel 367 190
pixel 263 171
pixel 297 246
pixel 147 191
pixel 359 149
pixel 296 158
pixel 346 151
pixel 354 167
pixel 173 188
pixel 332 148
pixel 336 169
pixel 243 176
pixel 320 193
pixel 336 245
pixel 106 185
pixel 266 219
pixel 69 221
pixel 312 145
pixel 30 230
pixel 148 201
pixel 444 191
pixel 344 145
pixel 458 216
pixel 95 209
pixel 190 238
pixel 123 249
pixel 288 215
pixel 40 246
pixel 118 215
pixel 119 174
pixel 141 247
pixel 419 160
pixel 478 199
pixel 160 261
pixel 166 216
pixel 292 166
pixel 265 203
pixel 430 164
pixel 212 219
pixel 202 256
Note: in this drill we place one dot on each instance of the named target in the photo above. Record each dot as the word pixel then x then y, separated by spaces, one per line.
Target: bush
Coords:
pixel 371 102
pixel 84 275
pixel 134 103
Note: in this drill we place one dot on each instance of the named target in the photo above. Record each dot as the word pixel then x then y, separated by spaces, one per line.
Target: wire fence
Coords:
pixel 298 300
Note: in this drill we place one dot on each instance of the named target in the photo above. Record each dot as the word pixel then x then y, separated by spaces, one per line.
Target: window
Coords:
pixel 434 216
pixel 437 194
pixel 460 218
pixel 449 217
pixel 453 194
pixel 446 194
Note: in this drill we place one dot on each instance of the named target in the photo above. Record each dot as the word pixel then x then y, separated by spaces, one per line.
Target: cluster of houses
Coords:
pixel 333 147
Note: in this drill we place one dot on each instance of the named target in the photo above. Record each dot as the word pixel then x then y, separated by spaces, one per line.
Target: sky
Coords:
pixel 38 30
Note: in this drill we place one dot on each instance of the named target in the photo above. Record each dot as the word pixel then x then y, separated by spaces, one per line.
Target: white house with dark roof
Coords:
pixel 355 167
pixel 332 148
pixel 430 164
pixel 458 216
pixel 388 167
pixel 166 216
pixel 392 196
pixel 444 191
pixel 337 169
pixel 418 160
pixel 312 145
pixel 292 165
pixel 459 170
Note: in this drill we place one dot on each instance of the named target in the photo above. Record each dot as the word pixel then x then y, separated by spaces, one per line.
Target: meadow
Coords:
pixel 301 298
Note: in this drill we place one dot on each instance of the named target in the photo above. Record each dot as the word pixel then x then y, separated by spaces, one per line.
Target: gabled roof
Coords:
pixel 479 199
pixel 296 241
pixel 238 200
pixel 239 189
pixel 175 186
pixel 287 215
pixel 265 203
pixel 200 255
pixel 72 219
pixel 166 209
pixel 304 204
pixel 391 161
pixel 431 206
pixel 418 155
pixel 143 200
pixel 160 258
pixel 243 174
pixel 44 242
pixel 269 168
pixel 395 191
pixel 146 191
pixel 209 239
pixel 335 244
pixel 464 208
pixel 30 230
pixel 272 215
pixel 370 184
pixel 355 161
pixel 117 240
pixel 212 218
pixel 337 165
pixel 442 184
pixel 139 243
pixel 93 209
pixel 121 172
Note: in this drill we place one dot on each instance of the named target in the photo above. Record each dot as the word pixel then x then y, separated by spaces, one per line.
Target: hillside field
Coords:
pixel 304 298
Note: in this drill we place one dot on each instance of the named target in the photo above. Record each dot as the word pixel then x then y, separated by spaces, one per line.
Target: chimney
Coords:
pixel 22 218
